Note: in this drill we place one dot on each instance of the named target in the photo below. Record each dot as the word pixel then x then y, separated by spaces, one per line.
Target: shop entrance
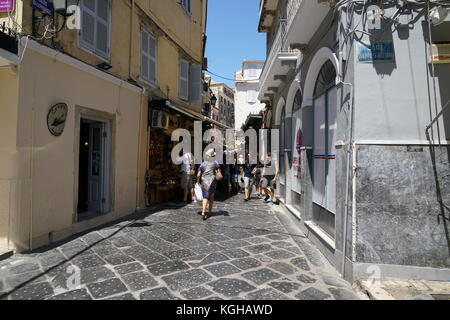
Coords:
pixel 94 164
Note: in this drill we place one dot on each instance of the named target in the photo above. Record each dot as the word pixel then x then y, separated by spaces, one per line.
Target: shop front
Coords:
pixel 163 179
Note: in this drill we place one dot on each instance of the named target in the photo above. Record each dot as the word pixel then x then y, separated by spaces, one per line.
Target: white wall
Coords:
pixel 242 107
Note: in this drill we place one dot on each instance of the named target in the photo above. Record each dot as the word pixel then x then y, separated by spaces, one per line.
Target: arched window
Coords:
pixel 326 78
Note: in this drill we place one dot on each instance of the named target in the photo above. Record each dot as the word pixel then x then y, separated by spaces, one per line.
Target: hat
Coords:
pixel 211 153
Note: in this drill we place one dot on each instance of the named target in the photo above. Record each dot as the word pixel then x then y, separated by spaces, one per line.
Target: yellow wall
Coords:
pixel 53 161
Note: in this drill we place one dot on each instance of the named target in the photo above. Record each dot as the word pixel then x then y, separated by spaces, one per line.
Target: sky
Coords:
pixel 232 31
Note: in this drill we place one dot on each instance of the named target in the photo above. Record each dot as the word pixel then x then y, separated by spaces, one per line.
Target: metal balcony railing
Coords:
pixel 291 11
pixel 278 46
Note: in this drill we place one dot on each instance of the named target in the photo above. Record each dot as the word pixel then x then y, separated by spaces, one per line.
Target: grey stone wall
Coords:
pixel 397 208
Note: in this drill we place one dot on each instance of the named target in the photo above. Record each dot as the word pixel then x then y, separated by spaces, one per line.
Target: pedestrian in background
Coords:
pixel 207 176
pixel 249 171
pixel 187 176
pixel 269 179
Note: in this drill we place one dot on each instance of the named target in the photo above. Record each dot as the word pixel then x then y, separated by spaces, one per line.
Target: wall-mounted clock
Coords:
pixel 56 119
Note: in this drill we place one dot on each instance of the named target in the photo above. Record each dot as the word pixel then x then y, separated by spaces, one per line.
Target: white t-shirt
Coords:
pixel 188 160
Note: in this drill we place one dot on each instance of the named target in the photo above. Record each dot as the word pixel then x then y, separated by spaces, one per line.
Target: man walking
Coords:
pixel 187 176
pixel 269 180
pixel 249 171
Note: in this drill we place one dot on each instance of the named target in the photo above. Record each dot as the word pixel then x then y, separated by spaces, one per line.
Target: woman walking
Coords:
pixel 207 178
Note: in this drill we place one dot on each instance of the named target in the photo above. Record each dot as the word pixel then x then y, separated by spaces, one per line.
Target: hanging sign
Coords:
pixel 376 52
pixel 6 5
pixel 56 119
pixel 44 6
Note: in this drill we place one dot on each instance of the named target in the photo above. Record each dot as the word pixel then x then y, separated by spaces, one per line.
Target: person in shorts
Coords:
pixel 249 171
pixel 269 179
pixel 187 176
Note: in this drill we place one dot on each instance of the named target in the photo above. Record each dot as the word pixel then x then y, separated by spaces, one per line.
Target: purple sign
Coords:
pixel 6 5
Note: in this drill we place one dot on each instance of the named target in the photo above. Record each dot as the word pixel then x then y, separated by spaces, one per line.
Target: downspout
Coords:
pixel 131 38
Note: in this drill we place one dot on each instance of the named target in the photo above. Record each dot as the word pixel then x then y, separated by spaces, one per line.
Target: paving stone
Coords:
pixel 230 287
pixel 232 244
pixel 17 280
pixel 342 294
pixel 118 259
pixel 282 244
pixel 267 294
pixel 51 260
pixel 216 237
pixel 222 269
pixel 301 263
pixel 282 267
pixel 285 286
pixel 167 267
pixel 122 242
pixel 127 296
pixel 105 250
pixel 88 261
pixel 209 259
pixel 278 236
pixel 257 240
pixel 312 294
pixel 95 274
pixel 191 243
pixel 246 263
pixel 196 293
pixel 106 288
pixel 213 298
pixel 237 234
pixel 209 248
pixel 334 281
pixel 279 254
pixel 37 291
pixel 259 248
pixel 23 267
pixel 261 276
pixel 93 238
pixel 172 236
pixel 139 280
pixel 236 253
pixel 295 250
pixel 144 255
pixel 306 279
pixel 79 294
pixel 186 279
pixel 128 268
pixel 158 294
pixel 180 254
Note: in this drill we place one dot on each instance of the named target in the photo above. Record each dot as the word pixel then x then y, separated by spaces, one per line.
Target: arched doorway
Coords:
pixel 324 152
pixel 282 156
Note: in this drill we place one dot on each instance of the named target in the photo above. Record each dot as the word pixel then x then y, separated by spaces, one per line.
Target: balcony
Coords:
pixel 267 9
pixel 304 17
pixel 280 61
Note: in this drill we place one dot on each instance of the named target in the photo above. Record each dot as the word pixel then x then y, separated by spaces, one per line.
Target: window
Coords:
pixel 186 5
pixel 183 81
pixel 148 57
pixel 95 23
pixel 251 96
pixel 326 78
pixel 195 83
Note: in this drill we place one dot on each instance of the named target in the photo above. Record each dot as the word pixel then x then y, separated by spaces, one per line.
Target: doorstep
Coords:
pixel 402 289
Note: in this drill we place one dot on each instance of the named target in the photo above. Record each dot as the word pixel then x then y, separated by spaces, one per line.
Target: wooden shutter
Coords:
pixel 183 82
pixel 152 53
pixel 94 32
pixel 195 83
pixel 102 44
pixel 144 55
pixel 88 24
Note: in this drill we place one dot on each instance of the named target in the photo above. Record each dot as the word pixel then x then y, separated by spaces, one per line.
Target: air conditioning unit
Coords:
pixel 160 119
pixel 440 53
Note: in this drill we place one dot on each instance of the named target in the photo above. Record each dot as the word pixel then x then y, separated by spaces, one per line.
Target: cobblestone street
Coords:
pixel 242 252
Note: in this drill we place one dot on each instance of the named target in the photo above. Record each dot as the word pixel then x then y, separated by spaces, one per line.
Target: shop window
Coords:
pixel 148 57
pixel 95 26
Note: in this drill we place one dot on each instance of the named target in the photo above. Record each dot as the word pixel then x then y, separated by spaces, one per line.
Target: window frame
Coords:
pixel 149 57
pixel 85 46
pixel 186 5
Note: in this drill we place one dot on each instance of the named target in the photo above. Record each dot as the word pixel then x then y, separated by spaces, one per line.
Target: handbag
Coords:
pixel 219 175
pixel 198 192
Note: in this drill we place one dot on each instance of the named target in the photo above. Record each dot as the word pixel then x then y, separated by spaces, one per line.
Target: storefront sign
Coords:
pixel 6 5
pixel 56 119
pixel 376 52
pixel 44 6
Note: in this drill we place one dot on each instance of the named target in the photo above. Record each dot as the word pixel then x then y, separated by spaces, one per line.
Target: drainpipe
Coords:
pixel 131 38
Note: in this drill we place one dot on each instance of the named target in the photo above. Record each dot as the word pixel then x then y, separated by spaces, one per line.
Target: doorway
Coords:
pixel 94 164
pixel 324 150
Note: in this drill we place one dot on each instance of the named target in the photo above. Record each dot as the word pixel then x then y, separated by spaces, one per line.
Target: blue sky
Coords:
pixel 233 36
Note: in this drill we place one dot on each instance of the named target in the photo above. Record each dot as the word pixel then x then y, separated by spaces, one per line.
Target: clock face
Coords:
pixel 56 118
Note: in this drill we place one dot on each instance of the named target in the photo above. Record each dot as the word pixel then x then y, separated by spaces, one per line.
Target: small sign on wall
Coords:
pixel 45 6
pixel 376 52
pixel 6 5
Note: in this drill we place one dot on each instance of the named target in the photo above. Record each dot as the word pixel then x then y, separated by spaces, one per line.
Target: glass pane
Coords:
pixel 102 37
pixel 152 70
pixel 325 79
pixel 144 42
pixel 102 10
pixel 144 67
pixel 152 47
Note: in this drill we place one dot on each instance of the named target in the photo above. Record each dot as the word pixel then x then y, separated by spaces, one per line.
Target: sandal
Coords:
pixel 204 216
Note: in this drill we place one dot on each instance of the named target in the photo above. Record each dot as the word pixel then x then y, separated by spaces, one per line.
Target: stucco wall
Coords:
pixel 53 160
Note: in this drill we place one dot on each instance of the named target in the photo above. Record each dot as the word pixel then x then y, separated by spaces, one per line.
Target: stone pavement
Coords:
pixel 242 252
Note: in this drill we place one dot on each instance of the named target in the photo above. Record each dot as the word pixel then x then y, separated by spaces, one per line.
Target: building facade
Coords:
pixel 352 99
pixel 86 107
pixel 224 109
pixel 247 91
